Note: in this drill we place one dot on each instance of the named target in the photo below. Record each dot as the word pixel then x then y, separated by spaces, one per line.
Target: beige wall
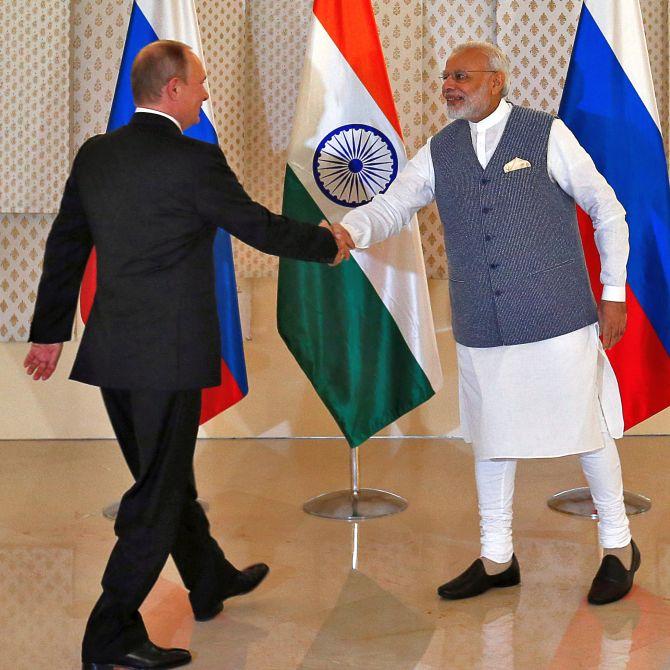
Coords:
pixel 281 402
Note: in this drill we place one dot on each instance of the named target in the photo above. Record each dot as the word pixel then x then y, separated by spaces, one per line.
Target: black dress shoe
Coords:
pixel 475 580
pixel 145 657
pixel 613 581
pixel 245 581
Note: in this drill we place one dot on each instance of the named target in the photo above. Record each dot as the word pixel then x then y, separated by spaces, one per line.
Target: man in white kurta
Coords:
pixel 539 399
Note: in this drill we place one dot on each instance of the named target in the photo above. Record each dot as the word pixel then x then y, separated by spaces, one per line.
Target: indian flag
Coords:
pixel 362 332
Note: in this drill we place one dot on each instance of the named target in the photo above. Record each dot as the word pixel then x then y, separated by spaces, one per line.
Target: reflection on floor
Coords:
pixel 314 612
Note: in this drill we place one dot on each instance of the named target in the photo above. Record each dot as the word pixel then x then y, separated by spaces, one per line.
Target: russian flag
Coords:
pixel 151 20
pixel 609 104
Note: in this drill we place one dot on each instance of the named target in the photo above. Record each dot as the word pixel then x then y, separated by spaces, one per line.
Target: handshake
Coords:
pixel 344 242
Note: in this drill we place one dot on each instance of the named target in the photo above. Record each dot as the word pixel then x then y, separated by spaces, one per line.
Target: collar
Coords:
pixel 147 110
pixel 498 115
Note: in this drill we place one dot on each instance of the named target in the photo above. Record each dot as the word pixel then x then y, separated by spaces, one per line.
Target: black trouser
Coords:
pixel 157 516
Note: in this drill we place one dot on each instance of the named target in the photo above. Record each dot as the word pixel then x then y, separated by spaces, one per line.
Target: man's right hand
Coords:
pixel 42 360
pixel 342 239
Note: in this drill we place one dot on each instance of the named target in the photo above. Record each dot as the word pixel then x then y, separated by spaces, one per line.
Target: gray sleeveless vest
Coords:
pixel 516 266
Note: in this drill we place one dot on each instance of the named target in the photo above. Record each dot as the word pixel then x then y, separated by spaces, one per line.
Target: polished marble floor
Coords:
pixel 314 612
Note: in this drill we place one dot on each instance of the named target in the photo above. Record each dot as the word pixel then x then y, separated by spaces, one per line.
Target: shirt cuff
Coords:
pixel 614 293
pixel 355 234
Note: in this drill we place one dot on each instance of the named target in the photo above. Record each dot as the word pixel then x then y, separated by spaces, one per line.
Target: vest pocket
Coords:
pixel 552 267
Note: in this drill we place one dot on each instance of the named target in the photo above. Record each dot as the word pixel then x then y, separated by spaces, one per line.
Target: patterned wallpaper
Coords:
pixel 34 119
pixel 254 52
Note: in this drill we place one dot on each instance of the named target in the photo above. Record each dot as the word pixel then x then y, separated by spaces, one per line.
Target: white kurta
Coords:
pixel 540 399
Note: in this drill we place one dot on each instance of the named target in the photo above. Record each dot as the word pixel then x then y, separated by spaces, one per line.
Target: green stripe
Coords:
pixel 343 337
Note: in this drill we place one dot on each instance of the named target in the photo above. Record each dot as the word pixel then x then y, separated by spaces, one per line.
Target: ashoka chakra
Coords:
pixel 353 163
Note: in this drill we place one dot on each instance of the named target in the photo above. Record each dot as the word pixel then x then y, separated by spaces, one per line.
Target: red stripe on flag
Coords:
pixel 351 25
pixel 88 285
pixel 640 361
pixel 642 367
pixel 219 398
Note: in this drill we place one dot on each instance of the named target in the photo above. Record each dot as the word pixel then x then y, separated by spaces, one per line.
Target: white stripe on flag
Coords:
pixel 344 100
pixel 176 20
pixel 620 22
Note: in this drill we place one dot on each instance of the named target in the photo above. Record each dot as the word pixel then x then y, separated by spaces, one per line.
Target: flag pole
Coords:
pixel 355 503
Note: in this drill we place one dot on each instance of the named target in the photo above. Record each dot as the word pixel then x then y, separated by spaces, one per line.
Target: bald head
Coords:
pixel 154 66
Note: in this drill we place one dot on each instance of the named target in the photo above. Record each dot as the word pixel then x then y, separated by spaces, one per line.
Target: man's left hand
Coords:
pixel 612 322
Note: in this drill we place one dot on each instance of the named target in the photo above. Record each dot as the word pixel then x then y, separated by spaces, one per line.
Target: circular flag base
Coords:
pixel 578 502
pixel 355 505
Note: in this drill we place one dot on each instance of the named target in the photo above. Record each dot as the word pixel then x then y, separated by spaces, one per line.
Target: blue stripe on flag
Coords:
pixel 232 350
pixel 140 33
pixel 606 114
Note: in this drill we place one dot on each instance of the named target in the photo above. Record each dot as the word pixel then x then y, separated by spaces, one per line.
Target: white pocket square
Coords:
pixel 516 164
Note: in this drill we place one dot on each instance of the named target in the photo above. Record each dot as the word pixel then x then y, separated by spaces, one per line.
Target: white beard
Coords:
pixel 471 108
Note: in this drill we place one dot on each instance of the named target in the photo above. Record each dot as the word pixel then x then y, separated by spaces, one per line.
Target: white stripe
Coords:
pixel 331 95
pixel 620 22
pixel 176 20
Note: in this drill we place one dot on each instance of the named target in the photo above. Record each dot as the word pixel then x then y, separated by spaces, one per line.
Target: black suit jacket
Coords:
pixel 150 200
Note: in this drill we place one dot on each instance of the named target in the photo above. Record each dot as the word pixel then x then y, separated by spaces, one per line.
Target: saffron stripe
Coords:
pixel 357 39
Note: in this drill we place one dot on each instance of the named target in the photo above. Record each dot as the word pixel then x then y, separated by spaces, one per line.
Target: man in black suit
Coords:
pixel 150 200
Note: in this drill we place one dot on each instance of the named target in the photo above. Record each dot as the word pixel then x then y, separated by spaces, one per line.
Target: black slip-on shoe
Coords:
pixel 613 581
pixel 475 580
pixel 145 657
pixel 244 582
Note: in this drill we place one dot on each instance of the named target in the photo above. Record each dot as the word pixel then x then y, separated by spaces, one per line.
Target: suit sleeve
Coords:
pixel 67 250
pixel 222 202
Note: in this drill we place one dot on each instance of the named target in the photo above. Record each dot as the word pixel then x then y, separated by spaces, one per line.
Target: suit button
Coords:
pixel 486 210
pixel 488 238
pixel 493 266
pixel 485 181
pixel 498 292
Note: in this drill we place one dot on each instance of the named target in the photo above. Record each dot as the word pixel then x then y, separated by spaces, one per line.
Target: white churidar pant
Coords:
pixel 495 489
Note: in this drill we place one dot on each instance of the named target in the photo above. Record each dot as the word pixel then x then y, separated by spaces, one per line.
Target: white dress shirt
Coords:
pixel 541 399
pixel 568 165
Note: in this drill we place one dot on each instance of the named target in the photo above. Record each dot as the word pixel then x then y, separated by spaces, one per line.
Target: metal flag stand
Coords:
pixel 355 504
pixel 354 545
pixel 578 502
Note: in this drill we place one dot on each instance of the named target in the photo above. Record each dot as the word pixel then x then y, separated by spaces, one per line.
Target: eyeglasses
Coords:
pixel 461 76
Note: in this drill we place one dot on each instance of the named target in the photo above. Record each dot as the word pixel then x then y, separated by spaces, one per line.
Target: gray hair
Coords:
pixel 498 59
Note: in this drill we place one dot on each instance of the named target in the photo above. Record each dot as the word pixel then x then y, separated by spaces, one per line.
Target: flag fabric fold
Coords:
pixel 151 20
pixel 362 332
pixel 609 104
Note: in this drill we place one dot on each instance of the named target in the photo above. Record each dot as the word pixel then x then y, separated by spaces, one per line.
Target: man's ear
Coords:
pixel 498 81
pixel 172 88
